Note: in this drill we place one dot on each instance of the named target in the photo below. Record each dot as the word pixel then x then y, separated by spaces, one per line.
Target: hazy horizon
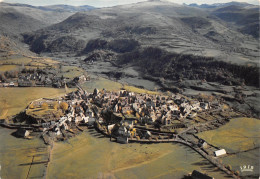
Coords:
pixel 109 3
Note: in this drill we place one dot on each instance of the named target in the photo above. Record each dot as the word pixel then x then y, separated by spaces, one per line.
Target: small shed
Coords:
pixel 220 152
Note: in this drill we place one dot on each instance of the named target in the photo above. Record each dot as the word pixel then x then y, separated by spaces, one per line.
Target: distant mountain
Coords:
pixel 219 5
pixel 20 18
pixel 121 29
pixel 243 16
pixel 67 8
pixel 58 7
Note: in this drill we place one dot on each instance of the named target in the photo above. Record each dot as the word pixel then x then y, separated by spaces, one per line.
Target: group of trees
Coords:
pixel 63 106
pixel 9 74
pixel 15 73
pixel 162 64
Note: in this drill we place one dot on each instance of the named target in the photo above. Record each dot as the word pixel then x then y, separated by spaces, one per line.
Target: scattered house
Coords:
pixel 129 121
pixel 220 152
pixel 192 114
pixel 89 113
pixel 110 127
pixel 166 120
pixel 136 106
pixel 116 108
pixel 174 108
pixel 122 131
pixel 85 119
pixel 126 109
pixel 96 91
pixel 46 125
pixel 91 121
pixel 147 134
pixel 198 175
pixel 65 126
pixel 22 133
pixel 153 117
pixel 123 93
pixel 58 132
pixel 11 84
pixel 122 139
pixel 78 119
pixel 203 144
pixel 81 79
pixel 25 83
pixel 204 105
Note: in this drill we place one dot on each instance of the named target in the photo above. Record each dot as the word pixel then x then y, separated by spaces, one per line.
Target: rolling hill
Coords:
pixel 20 18
pixel 172 27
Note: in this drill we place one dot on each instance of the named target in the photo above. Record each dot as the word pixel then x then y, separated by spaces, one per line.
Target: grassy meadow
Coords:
pixel 109 85
pixel 14 100
pixel 240 138
pixel 91 155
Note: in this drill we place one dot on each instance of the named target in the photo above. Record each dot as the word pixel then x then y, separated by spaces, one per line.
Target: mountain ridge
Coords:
pixel 166 25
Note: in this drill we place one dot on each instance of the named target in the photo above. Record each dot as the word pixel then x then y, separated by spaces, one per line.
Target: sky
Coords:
pixel 108 3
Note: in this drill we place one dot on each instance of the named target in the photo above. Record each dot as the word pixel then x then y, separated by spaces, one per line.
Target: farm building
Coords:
pixel 220 152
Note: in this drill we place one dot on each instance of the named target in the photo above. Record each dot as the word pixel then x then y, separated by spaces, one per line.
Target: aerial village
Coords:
pixel 126 117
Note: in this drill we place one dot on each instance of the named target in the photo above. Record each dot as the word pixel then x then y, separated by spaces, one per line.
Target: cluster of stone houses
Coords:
pixel 111 108
pixel 150 108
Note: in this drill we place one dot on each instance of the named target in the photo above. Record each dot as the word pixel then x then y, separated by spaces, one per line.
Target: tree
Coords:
pixel 2 77
pixel 44 106
pixel 229 167
pixel 137 116
pixel 64 106
pixel 57 114
pixel 237 173
pixel 31 106
pixel 55 105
